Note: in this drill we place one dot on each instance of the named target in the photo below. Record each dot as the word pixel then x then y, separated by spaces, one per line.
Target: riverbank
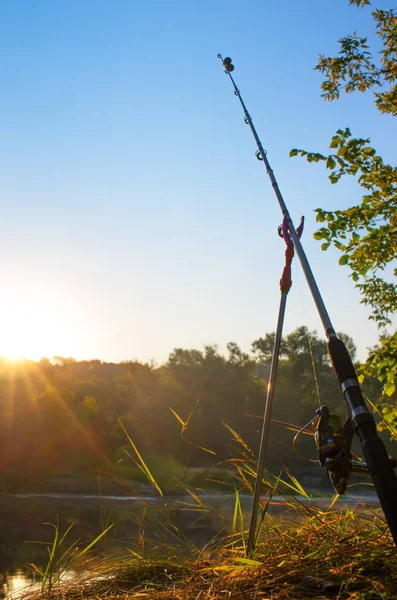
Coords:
pixel 190 544
pixel 188 520
pixel 335 554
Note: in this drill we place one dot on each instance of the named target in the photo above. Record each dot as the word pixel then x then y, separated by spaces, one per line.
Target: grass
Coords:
pixel 168 473
pixel 307 552
pixel 63 556
pixel 346 554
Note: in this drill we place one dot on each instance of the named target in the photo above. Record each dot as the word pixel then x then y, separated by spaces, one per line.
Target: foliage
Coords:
pixel 366 234
pixel 356 69
pixel 69 417
pixel 382 364
pixel 305 377
pixel 308 551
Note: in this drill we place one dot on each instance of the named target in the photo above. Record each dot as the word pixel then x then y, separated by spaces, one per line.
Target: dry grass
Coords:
pixel 342 555
pixel 308 552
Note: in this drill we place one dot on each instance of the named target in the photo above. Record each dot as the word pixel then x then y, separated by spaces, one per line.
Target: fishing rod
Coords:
pixel 336 457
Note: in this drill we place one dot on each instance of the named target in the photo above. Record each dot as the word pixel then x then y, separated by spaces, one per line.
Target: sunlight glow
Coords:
pixel 35 323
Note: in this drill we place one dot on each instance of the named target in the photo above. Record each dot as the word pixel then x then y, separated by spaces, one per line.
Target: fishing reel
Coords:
pixel 333 442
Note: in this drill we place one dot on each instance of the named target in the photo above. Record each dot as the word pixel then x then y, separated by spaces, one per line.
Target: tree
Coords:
pixel 305 369
pixel 262 348
pixel 366 234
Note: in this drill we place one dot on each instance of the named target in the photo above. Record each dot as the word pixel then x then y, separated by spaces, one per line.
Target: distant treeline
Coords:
pixel 67 417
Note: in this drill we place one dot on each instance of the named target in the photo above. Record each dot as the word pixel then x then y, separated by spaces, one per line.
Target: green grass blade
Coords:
pixel 184 427
pixel 144 466
pixel 65 534
pixel 238 438
pixel 235 513
pixel 294 486
pixel 240 511
pixel 92 544
pixel 249 562
pixel 48 573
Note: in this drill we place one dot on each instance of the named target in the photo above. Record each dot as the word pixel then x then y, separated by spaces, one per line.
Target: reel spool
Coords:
pixel 333 442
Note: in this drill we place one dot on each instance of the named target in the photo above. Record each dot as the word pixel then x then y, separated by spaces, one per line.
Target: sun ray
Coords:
pixel 10 395
pixel 62 404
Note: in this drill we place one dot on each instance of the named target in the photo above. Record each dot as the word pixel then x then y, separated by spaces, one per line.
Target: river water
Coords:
pixel 26 530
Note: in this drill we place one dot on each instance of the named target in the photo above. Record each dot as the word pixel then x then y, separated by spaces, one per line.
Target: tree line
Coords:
pixel 71 417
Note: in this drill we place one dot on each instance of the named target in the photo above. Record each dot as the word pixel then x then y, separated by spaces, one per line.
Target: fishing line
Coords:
pixel 296 269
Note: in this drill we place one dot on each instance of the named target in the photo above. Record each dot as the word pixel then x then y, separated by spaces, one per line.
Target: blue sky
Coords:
pixel 134 215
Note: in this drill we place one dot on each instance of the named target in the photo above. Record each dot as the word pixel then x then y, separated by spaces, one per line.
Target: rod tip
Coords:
pixel 227 63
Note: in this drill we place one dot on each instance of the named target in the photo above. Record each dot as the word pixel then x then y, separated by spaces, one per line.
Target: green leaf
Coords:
pixel 389 389
pixel 331 164
pixel 333 178
pixel 293 152
pixel 344 259
pixel 336 141
pixel 325 246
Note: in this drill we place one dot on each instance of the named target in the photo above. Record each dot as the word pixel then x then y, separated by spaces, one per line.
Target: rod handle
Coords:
pixel 381 470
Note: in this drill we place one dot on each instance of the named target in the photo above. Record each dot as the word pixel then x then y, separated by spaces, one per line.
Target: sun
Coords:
pixel 34 325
